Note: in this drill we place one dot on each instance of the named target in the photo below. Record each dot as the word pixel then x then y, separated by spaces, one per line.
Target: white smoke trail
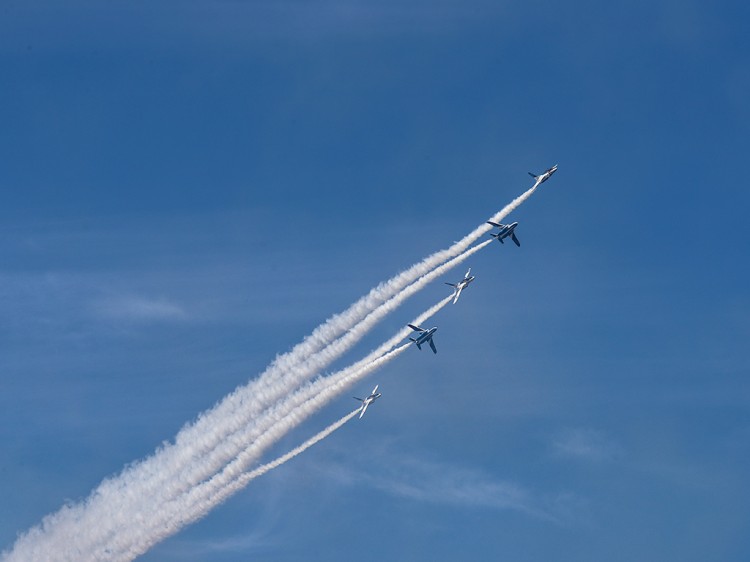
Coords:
pixel 232 448
pixel 306 359
pixel 115 528
pixel 245 478
pixel 77 527
pixel 133 531
pixel 284 416
pixel 273 424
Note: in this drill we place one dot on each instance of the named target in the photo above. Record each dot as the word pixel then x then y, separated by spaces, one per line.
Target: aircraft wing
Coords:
pixel 432 345
pixel 364 409
pixel 417 328
pixel 513 237
pixel 497 224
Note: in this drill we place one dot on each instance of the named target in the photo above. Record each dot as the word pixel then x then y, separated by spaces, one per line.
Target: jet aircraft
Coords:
pixel 425 336
pixel 461 285
pixel 541 178
pixel 369 400
pixel 506 230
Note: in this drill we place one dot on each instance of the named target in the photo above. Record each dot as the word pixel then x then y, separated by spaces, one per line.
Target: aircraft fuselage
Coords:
pixel 506 230
pixel 541 178
pixel 425 336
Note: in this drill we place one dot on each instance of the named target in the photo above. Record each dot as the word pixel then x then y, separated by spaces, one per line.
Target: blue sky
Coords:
pixel 188 189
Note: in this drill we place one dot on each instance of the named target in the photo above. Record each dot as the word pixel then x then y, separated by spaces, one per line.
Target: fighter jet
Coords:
pixel 461 285
pixel 425 336
pixel 369 400
pixel 505 231
pixel 541 178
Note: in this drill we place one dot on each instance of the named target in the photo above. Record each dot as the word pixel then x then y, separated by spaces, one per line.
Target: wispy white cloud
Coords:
pixel 253 540
pixel 139 309
pixel 442 483
pixel 585 444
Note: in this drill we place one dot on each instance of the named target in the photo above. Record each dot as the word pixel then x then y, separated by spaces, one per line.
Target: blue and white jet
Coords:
pixel 374 395
pixel 461 285
pixel 506 230
pixel 541 178
pixel 425 336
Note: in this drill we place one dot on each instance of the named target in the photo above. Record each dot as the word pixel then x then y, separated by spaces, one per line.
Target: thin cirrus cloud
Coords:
pixel 439 483
pixel 585 444
pixel 134 308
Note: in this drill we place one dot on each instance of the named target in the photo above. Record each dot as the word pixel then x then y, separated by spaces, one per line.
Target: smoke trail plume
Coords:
pixel 245 478
pixel 273 424
pixel 249 439
pixel 129 499
pixel 208 464
pixel 284 417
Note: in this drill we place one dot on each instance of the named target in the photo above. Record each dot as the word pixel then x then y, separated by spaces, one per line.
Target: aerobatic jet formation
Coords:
pixel 374 395
pixel 541 178
pixel 506 230
pixel 461 285
pixel 425 336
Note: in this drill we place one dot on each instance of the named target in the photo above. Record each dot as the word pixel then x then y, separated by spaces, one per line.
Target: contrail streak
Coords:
pixel 124 501
pixel 207 465
pixel 245 478
pixel 373 360
pixel 320 348
pixel 284 417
